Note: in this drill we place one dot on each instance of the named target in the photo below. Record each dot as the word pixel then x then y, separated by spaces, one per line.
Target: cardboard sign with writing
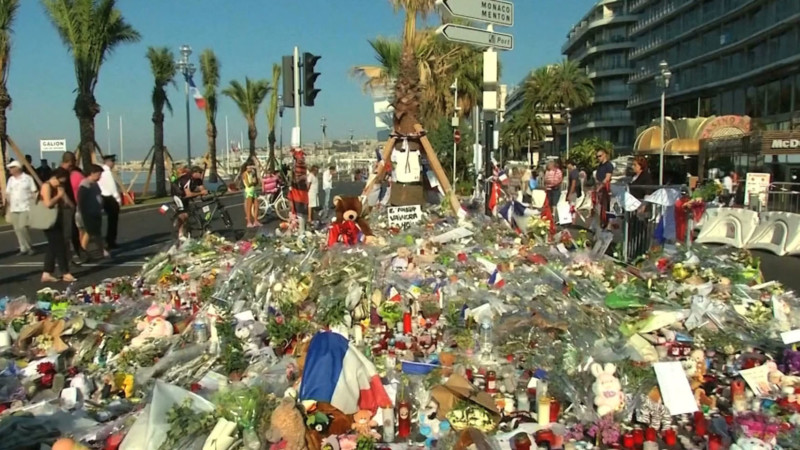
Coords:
pixel 402 216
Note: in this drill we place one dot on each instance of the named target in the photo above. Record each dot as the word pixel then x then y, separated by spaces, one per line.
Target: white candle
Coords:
pixel 5 339
pixel 358 334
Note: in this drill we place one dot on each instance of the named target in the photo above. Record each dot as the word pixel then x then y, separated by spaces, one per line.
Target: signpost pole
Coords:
pixel 489 85
pixel 297 100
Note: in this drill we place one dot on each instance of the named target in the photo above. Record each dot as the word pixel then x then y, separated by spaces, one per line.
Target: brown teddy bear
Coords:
pixel 349 228
pixel 287 424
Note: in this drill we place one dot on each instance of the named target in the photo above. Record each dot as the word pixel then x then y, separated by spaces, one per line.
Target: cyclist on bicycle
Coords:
pixel 189 186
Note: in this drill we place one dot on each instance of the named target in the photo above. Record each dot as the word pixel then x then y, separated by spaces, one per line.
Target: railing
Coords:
pixel 784 197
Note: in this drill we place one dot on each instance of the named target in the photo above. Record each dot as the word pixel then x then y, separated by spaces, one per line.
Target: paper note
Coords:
pixel 675 389
pixel 791 337
pixel 757 379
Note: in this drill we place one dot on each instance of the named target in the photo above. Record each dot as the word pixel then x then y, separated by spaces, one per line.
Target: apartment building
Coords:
pixel 600 43
pixel 727 57
pixel 514 102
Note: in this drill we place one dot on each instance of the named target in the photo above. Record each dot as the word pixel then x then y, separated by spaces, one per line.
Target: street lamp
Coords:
pixel 352 137
pixel 280 121
pixel 530 136
pixel 456 108
pixel 663 81
pixel 187 69
pixel 322 125
pixel 568 120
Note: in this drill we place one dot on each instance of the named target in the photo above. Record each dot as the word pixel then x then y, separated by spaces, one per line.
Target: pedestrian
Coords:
pixel 298 193
pixel 111 200
pixel 574 188
pixel 250 181
pixel 44 171
pixel 602 190
pixel 54 195
pixel 313 192
pixel 327 187
pixel 552 184
pixel 68 163
pixel 90 206
pixel 18 198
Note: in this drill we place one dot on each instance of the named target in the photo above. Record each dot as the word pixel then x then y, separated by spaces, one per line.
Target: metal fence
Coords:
pixel 637 231
pixel 783 197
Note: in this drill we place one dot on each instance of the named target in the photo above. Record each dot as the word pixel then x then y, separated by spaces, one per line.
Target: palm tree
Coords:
pixel 407 89
pixel 91 30
pixel 248 99
pixel 8 11
pixel 272 115
pixel 514 130
pixel 209 68
pixel 163 66
pixel 381 76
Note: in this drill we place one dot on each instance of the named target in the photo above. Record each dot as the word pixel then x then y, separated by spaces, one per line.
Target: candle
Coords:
pixel 650 435
pixel 671 436
pixel 407 323
pixel 523 403
pixel 388 425
pixel 699 424
pixel 543 411
pixel 638 436
pixel 555 409
pixel 404 419
pixel 627 440
pixel 715 442
pixel 491 382
pixel 358 334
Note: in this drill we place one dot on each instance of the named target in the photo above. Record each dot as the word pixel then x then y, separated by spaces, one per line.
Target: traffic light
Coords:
pixel 288 81
pixel 309 77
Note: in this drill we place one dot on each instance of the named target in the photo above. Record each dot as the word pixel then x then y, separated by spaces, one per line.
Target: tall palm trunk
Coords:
pixel 86 108
pixel 158 154
pixel 5 102
pixel 252 134
pixel 271 161
pixel 211 132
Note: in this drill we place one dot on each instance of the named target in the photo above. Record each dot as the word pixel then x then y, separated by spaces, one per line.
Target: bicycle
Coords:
pixel 201 214
pixel 279 204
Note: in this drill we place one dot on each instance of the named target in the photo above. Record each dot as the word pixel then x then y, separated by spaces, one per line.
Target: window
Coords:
pixel 761 94
pixel 751 102
pixel 786 96
pixel 796 93
pixel 773 91
pixel 774 48
pixel 739 102
pixel 726 103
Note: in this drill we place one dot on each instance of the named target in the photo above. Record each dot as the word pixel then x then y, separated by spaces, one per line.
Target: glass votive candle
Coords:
pixel 627 440
pixel 650 435
pixel 671 436
pixel 638 436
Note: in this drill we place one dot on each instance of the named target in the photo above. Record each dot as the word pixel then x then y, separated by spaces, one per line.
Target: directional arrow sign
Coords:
pixel 498 12
pixel 476 36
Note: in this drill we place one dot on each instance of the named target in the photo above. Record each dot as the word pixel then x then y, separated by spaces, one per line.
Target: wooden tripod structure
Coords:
pixel 151 158
pixel 455 205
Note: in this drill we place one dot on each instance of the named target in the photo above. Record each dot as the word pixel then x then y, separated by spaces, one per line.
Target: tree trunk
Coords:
pixel 271 162
pixel 406 114
pixel 252 134
pixel 158 154
pixel 86 108
pixel 5 102
pixel 211 132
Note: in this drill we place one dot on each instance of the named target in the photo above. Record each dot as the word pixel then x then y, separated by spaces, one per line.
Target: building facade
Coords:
pixel 601 44
pixel 727 57
pixel 514 102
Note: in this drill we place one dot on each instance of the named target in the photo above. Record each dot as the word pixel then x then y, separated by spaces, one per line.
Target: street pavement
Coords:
pixel 142 234
pixel 145 232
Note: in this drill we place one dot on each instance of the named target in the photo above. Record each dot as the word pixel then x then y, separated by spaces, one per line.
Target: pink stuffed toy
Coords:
pixel 607 389
pixel 154 325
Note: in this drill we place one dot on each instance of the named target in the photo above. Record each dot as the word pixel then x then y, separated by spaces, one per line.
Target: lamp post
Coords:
pixel 568 120
pixel 187 69
pixel 663 81
pixel 322 126
pixel 352 136
pixel 530 136
pixel 455 124
pixel 280 122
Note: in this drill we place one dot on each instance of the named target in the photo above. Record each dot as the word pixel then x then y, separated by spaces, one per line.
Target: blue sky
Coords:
pixel 248 36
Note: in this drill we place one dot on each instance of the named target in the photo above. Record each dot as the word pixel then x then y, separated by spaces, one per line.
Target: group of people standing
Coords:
pixel 81 198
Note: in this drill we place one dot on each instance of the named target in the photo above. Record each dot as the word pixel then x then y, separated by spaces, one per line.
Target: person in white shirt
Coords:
pixel 327 186
pixel 111 199
pixel 313 192
pixel 18 198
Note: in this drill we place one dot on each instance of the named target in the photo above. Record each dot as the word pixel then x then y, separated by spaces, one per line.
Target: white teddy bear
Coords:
pixel 607 389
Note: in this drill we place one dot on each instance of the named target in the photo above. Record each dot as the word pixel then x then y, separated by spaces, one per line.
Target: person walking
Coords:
pixel 298 193
pixel 54 195
pixel 602 190
pixel 90 206
pixel 111 200
pixel 250 181
pixel 313 192
pixel 552 184
pixel 18 198
pixel 74 178
pixel 327 187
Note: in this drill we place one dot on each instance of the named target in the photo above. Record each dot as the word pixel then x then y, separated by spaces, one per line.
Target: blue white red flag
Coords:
pixel 199 100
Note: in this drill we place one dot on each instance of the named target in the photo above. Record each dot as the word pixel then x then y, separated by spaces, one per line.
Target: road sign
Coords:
pixel 498 12
pixel 476 36
pixel 457 136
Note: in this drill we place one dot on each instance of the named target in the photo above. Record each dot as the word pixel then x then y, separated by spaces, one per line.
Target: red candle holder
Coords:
pixel 715 442
pixel 638 436
pixel 650 435
pixel 699 424
pixel 670 436
pixel 627 440
pixel 555 410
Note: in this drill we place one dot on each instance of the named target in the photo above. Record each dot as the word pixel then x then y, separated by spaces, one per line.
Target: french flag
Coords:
pixel 494 197
pixel 199 100
pixel 336 372
pixel 496 279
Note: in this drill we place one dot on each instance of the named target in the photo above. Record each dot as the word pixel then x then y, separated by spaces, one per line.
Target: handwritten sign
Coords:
pixel 402 216
pixel 757 184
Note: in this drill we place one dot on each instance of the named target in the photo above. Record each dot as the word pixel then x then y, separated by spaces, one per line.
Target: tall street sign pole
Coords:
pixel 490 12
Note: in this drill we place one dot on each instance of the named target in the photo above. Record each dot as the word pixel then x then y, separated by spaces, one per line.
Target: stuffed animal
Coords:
pixel 287 424
pixel 349 228
pixel 652 411
pixel 154 326
pixel 363 424
pixel 607 389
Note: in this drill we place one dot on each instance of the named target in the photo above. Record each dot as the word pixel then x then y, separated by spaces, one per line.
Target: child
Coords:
pixel 249 178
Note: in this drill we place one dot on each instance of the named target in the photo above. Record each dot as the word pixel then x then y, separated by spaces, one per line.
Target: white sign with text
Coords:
pixel 52 145
pixel 401 216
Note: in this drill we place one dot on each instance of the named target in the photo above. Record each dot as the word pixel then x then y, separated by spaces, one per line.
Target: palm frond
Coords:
pixel 163 68
pixel 209 70
pixel 248 96
pixel 8 12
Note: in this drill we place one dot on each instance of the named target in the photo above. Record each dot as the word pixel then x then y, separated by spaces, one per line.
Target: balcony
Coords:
pixel 611 95
pixel 599 20
pixel 604 45
pixel 660 15
pixel 607 70
pixel 638 5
